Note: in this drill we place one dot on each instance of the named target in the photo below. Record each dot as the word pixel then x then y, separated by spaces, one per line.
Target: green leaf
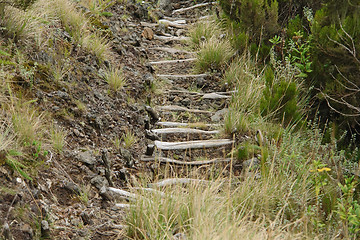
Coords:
pixel 4 53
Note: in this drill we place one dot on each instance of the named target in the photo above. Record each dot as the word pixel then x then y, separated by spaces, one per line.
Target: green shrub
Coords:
pixel 336 63
pixel 280 98
pixel 257 17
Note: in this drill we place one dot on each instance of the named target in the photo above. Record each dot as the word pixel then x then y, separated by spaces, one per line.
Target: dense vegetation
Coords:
pixel 319 38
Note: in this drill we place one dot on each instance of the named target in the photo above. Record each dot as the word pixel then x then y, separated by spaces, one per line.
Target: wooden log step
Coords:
pixel 171 38
pixel 170 76
pixel 181 20
pixel 177 162
pixel 173 181
pixel 205 95
pixel 215 96
pixel 122 205
pixel 175 24
pixel 172 61
pixel 163 131
pixel 147 24
pixel 193 144
pixel 122 193
pixel 181 109
pixel 192 125
pixel 170 50
pixel 181 10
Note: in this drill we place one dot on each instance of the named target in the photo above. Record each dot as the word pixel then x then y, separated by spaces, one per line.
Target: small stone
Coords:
pixel 99 181
pixel 85 218
pixel 148 33
pixel 149 79
pixel 180 236
pixel 150 150
pixel 26 229
pixel 6 232
pixel 151 135
pixel 219 115
pixel 186 101
pixel 86 158
pixel 45 229
pixel 126 155
pixel 153 114
pixel 200 82
pixel 72 187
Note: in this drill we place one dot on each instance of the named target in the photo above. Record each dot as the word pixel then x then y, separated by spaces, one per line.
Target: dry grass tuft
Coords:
pixel 213 55
pixel 115 78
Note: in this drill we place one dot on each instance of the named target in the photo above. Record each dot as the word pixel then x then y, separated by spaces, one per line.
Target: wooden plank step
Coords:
pixel 193 144
pixel 172 61
pixel 181 10
pixel 170 50
pixel 170 76
pixel 164 131
pixel 145 158
pixel 206 95
pixel 175 24
pixel 192 125
pixel 171 38
pixel 173 181
pixel 215 96
pixel 181 109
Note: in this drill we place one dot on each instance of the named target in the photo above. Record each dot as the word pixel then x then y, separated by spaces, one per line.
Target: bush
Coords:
pixel 256 17
pixel 280 98
pixel 336 63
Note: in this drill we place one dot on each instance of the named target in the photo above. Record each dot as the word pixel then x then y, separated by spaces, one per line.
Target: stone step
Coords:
pixel 198 144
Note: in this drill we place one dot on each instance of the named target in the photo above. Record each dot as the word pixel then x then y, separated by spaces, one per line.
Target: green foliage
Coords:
pixel 247 150
pixel 280 100
pixel 256 21
pixel 12 162
pixel 336 65
pixel 349 209
pixel 299 55
pixel 259 18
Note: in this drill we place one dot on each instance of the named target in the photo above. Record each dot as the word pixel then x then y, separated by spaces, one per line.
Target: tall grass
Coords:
pixel 202 32
pixel 213 55
pixel 42 18
pixel 280 202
